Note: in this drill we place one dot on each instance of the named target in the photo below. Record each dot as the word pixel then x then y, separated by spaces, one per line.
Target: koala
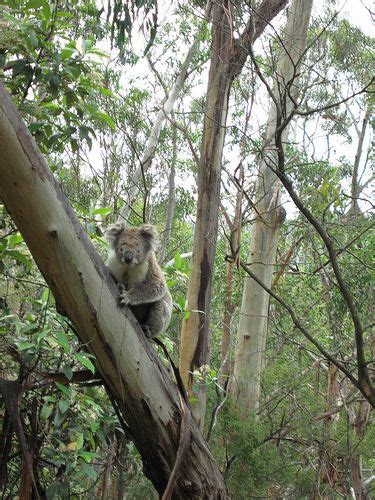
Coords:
pixel 141 282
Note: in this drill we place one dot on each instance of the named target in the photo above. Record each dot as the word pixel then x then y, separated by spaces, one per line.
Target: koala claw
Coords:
pixel 146 331
pixel 124 299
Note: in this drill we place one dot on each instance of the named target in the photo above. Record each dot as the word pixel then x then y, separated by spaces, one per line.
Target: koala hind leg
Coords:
pixel 159 317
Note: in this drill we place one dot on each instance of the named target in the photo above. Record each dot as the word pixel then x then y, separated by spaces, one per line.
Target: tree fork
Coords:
pixel 82 287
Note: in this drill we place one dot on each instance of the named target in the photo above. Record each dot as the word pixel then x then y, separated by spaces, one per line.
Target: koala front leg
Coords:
pixel 123 295
pixel 145 292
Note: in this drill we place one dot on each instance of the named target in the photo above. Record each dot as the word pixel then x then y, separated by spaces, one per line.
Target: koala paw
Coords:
pixel 124 299
pixel 147 331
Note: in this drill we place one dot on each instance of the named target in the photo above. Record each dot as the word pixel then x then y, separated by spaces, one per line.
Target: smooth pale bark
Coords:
pixel 136 379
pixel 233 262
pixel 134 186
pixel 355 187
pixel 253 324
pixel 171 200
pixel 228 56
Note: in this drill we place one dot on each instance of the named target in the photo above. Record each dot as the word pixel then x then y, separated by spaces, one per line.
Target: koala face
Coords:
pixel 132 244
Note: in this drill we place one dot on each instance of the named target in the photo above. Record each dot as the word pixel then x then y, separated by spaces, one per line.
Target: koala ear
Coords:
pixel 150 234
pixel 113 231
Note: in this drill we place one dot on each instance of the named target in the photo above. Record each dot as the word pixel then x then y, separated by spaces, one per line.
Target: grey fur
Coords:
pixel 142 284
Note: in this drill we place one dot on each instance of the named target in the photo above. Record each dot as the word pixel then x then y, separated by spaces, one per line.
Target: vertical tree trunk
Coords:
pixel 355 187
pixel 360 421
pixel 234 252
pixel 195 338
pixel 253 325
pixel 228 56
pixel 171 199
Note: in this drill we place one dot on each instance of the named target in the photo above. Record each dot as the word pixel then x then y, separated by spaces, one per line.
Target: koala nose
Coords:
pixel 128 257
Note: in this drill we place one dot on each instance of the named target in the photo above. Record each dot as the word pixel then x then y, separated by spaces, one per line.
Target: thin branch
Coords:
pixel 297 323
pixel 337 103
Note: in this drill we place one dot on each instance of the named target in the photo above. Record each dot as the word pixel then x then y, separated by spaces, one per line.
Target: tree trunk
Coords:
pixel 195 339
pixel 234 252
pixel 253 324
pixel 355 187
pixel 136 379
pixel 167 107
pixel 171 200
pixel 228 55
pixel 360 421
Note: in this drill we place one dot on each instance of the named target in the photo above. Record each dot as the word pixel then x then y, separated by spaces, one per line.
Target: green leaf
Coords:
pixel 87 44
pixel 100 115
pixel 74 145
pixel 85 362
pixel 67 52
pixel 98 52
pixel 18 67
pixel 89 471
pixel 102 211
pixel 79 442
pixel 67 371
pixel 63 405
pixel 46 12
pixel 22 346
pixel 90 437
pixel 46 411
pixel 41 335
pixel 65 390
pixel 35 4
pixel 52 107
pixel 88 456
pixel 14 239
pixel 106 92
pixel 32 40
pixel 35 127
pixel 177 261
pixel 63 341
pixel 45 296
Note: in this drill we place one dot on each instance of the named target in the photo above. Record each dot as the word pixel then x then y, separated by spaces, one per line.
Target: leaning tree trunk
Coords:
pixel 228 55
pixel 253 325
pixel 136 379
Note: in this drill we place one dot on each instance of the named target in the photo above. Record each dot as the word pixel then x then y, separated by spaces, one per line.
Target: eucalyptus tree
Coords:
pixel 227 57
pixel 253 325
